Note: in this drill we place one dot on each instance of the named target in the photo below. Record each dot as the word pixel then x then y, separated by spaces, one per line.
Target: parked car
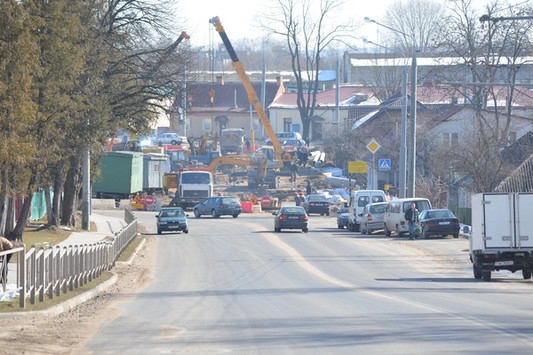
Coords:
pixel 218 206
pixel 291 217
pixel 342 218
pixel 172 219
pixel 372 217
pixel 292 145
pixel 440 222
pixel 358 200
pixel 168 138
pixel 316 203
pixel 394 216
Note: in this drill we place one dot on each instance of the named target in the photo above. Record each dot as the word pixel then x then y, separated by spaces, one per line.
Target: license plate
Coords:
pixel 504 263
pixel 443 223
pixel 293 217
pixel 173 227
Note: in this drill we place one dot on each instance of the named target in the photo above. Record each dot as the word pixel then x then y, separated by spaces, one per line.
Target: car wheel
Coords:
pixel 425 234
pixel 456 236
pixel 235 215
pixel 196 213
pixel 486 275
pixel 362 230
pixel 305 230
pixel 477 272
pixel 526 274
pixel 327 213
pixel 159 231
pixel 174 142
pixel 340 226
pixel 386 231
pixel 214 214
pixel 321 214
pixel 186 231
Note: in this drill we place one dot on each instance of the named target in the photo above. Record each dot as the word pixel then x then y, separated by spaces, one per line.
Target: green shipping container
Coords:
pixel 121 173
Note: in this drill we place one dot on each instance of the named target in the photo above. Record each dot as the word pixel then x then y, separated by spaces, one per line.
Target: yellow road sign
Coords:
pixel 373 146
pixel 357 167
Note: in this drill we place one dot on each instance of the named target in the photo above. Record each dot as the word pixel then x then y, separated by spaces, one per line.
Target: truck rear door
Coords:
pixel 498 220
pixel 507 220
pixel 524 220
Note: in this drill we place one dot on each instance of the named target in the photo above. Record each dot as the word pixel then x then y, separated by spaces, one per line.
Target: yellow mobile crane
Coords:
pixel 281 157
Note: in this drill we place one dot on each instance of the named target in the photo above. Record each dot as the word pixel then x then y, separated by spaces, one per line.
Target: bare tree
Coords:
pixel 492 54
pixel 308 28
pixel 415 24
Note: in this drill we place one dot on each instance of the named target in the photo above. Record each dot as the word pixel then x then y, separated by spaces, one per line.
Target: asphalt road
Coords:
pixel 235 286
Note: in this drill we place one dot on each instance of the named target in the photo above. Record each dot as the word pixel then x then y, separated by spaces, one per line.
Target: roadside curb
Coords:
pixel 134 254
pixel 66 305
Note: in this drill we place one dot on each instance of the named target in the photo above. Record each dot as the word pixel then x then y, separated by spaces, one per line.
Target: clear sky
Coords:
pixel 239 16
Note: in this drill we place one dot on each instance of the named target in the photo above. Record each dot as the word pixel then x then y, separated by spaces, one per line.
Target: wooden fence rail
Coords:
pixel 47 272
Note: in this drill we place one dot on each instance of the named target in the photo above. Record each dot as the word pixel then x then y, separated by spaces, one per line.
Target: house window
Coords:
pixel 446 139
pixel 455 139
pixel 287 124
pixel 207 125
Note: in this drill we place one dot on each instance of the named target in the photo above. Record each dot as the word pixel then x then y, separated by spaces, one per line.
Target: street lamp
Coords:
pixel 412 123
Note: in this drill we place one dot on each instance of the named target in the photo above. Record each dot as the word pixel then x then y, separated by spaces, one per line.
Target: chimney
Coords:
pixel 220 79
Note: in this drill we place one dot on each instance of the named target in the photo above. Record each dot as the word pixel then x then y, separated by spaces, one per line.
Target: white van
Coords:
pixel 394 216
pixel 358 200
pixel 283 136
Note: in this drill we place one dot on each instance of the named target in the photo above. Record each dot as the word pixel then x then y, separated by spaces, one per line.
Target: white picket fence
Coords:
pixel 48 271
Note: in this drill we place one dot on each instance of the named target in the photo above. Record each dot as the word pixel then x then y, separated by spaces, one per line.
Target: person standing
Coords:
pixel 309 188
pixel 411 216
pixel 5 245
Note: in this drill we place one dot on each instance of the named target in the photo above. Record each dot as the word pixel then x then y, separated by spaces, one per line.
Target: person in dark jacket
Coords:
pixel 411 216
pixel 309 188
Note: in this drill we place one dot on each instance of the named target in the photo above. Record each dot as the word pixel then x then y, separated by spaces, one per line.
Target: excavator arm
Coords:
pixel 240 160
pixel 280 153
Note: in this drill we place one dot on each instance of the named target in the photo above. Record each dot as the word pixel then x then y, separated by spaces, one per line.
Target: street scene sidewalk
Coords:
pixel 106 226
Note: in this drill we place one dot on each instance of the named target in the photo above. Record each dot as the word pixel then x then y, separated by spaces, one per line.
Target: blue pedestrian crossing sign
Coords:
pixel 384 164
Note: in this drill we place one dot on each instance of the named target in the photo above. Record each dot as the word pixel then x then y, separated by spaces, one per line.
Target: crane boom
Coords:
pixel 280 154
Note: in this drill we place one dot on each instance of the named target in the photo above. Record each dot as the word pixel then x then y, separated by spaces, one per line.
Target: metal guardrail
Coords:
pixel 48 271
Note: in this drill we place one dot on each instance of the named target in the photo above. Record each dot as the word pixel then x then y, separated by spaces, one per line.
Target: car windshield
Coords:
pixel 440 214
pixel 196 178
pixel 291 210
pixel 316 198
pixel 172 213
pixel 228 200
pixel 378 208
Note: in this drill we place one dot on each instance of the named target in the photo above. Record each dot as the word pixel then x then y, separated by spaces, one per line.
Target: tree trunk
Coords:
pixel 3 202
pixel 70 195
pixel 24 212
pixel 49 213
pixel 58 183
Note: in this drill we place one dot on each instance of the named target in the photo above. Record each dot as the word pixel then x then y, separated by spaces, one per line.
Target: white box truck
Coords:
pixel 502 234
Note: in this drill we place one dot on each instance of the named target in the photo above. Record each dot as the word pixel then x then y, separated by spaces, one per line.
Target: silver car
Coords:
pixel 372 217
pixel 169 138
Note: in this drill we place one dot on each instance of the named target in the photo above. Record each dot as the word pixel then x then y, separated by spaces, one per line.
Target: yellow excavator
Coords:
pixel 280 158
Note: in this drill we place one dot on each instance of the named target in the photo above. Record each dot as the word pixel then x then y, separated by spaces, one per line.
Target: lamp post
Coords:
pixel 412 121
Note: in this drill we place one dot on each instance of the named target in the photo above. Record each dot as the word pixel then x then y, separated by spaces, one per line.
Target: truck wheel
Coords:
pixel 486 275
pixel 526 274
pixel 477 272
pixel 196 213
pixel 386 231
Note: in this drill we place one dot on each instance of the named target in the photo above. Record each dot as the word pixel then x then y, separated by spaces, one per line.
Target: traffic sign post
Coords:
pixel 266 201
